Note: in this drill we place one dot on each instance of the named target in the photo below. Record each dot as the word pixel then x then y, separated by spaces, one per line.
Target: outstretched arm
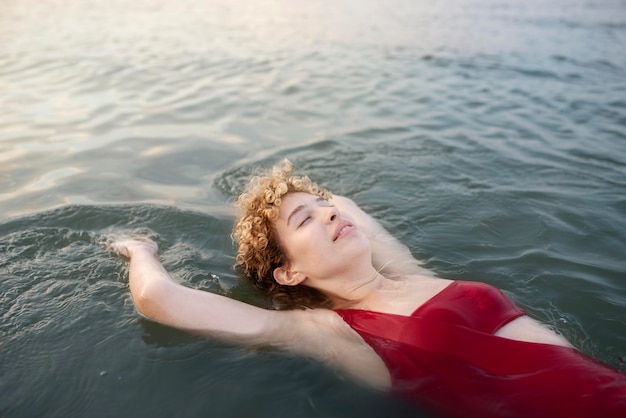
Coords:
pixel 389 256
pixel 318 333
pixel 159 298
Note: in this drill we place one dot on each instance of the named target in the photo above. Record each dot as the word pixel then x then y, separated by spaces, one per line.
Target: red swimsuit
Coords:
pixel 446 358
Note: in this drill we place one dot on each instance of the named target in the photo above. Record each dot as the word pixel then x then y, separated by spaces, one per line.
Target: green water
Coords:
pixel 489 136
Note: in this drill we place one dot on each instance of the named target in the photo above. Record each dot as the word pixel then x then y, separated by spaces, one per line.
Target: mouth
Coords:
pixel 342 229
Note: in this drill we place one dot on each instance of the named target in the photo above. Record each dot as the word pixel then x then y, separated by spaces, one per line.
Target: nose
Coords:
pixel 332 214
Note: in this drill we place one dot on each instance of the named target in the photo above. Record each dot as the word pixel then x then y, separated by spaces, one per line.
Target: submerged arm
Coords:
pixel 389 256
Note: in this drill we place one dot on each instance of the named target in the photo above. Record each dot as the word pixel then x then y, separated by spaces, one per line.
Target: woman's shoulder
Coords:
pixel 318 322
pixel 323 335
pixel 320 332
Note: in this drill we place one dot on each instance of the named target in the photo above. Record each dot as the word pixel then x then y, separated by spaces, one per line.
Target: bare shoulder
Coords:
pixel 323 335
pixel 294 327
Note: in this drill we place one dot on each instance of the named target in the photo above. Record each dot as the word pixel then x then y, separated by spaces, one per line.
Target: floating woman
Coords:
pixel 350 295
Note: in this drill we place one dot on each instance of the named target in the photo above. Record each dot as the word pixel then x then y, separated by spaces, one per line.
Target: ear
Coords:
pixel 286 277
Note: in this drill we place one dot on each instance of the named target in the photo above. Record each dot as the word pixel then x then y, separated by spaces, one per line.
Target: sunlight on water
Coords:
pixel 490 136
pixel 50 179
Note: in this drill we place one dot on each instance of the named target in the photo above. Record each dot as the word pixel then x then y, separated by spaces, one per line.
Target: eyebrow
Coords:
pixel 300 208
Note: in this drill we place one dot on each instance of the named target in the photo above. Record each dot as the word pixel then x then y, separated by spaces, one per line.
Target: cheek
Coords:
pixel 306 247
pixel 296 246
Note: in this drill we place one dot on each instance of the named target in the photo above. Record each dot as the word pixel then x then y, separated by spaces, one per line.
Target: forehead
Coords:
pixel 292 201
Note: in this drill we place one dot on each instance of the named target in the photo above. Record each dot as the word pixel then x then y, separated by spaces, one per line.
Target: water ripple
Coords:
pixel 488 136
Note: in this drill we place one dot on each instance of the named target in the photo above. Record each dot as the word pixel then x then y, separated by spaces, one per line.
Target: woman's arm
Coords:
pixel 389 256
pixel 320 334
pixel 528 329
pixel 159 298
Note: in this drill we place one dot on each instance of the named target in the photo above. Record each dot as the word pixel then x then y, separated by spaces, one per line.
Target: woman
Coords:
pixel 353 297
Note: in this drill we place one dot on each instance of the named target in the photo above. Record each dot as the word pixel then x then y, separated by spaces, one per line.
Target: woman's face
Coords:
pixel 320 241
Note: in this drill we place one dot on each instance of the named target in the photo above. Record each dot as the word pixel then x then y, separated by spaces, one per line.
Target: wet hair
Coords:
pixel 259 249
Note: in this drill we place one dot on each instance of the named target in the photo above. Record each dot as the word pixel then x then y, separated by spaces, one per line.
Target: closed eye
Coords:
pixel 304 221
pixel 321 202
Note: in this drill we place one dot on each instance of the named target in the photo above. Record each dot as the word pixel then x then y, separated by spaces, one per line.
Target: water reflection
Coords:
pixel 488 136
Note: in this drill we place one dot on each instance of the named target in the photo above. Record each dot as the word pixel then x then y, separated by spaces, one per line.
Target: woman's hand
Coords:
pixel 128 247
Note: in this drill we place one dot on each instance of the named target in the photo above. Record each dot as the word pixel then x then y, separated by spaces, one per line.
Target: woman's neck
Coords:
pixel 356 289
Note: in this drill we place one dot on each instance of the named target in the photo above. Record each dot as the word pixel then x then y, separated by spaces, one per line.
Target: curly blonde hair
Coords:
pixel 259 249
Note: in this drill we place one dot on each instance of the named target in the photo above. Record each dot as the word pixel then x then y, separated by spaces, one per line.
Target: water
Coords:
pixel 490 136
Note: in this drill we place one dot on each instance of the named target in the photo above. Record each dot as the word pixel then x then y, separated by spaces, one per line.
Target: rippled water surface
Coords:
pixel 489 136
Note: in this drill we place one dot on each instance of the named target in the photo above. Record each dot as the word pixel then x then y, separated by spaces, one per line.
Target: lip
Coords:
pixel 342 225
